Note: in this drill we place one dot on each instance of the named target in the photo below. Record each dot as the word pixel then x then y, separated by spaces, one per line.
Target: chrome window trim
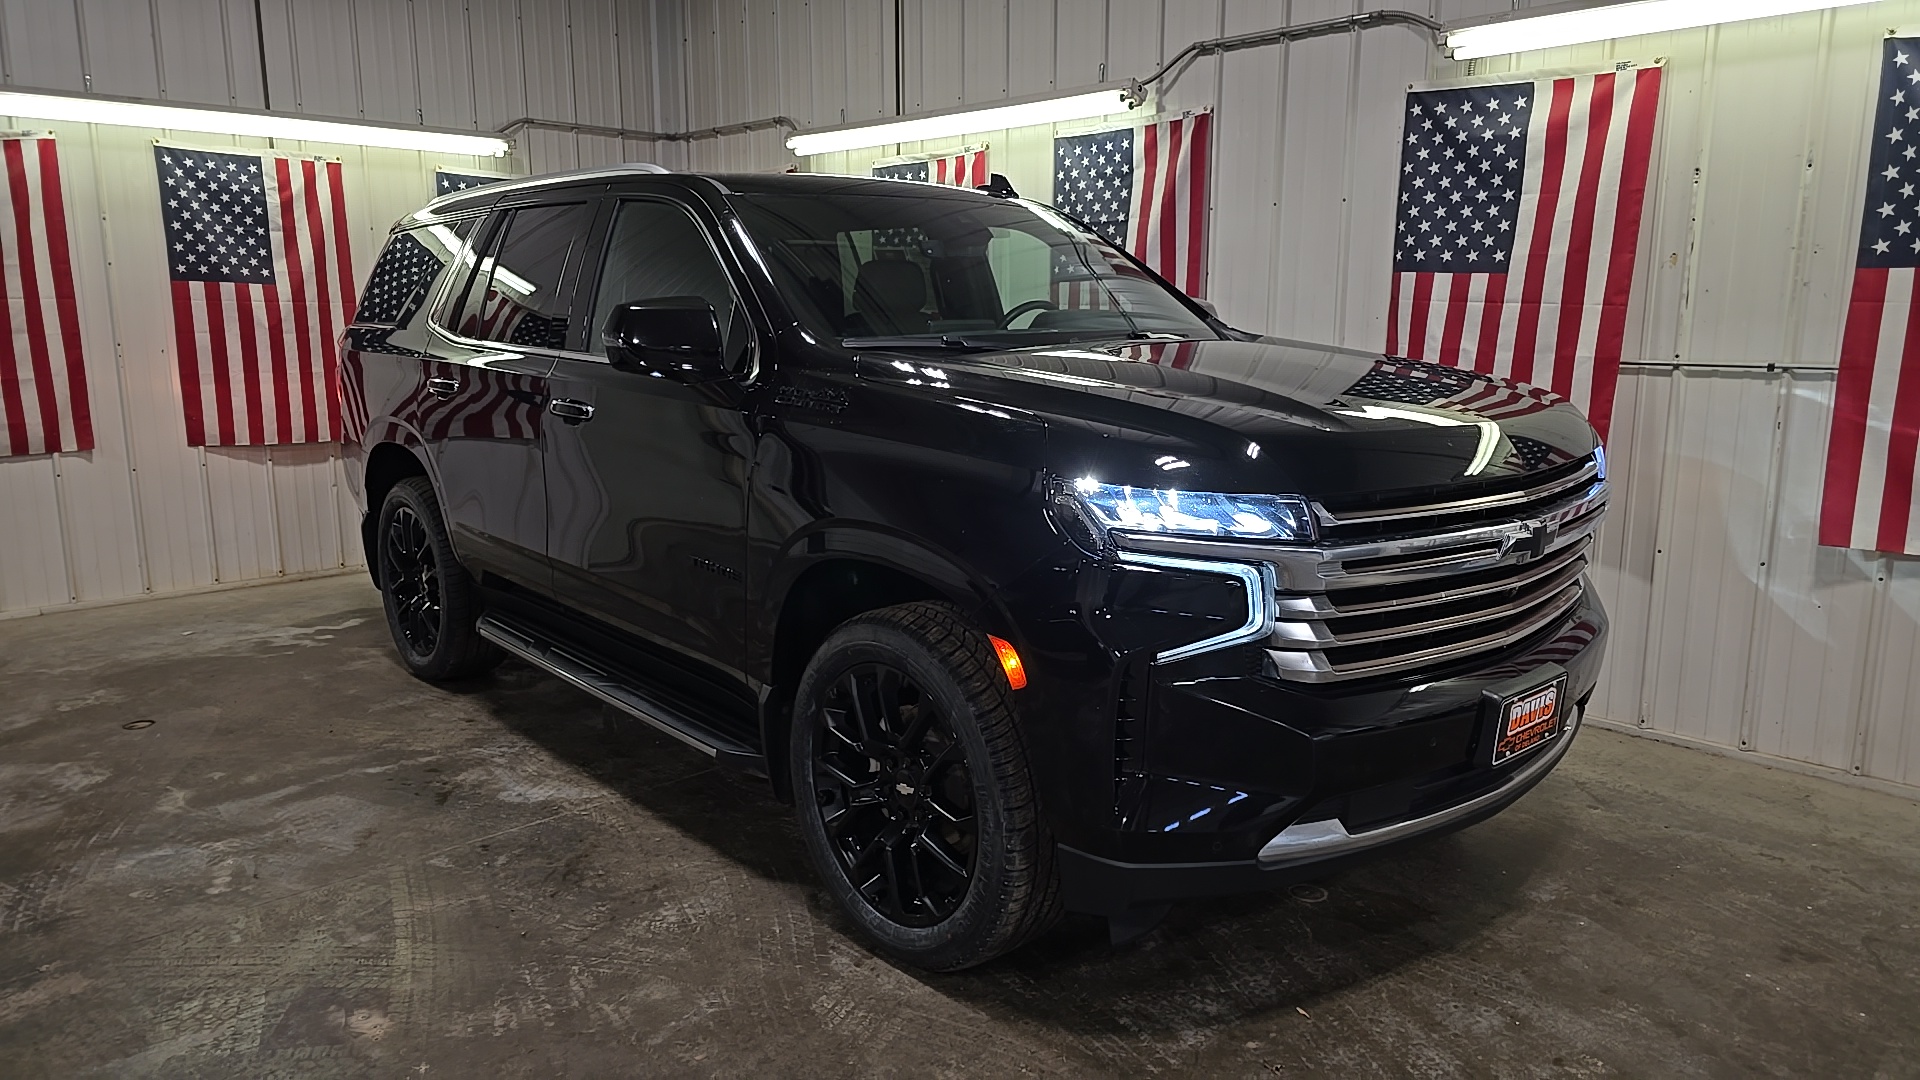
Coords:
pixel 1258 581
pixel 1314 840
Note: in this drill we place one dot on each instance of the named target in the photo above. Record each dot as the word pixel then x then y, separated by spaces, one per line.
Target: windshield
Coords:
pixel 916 265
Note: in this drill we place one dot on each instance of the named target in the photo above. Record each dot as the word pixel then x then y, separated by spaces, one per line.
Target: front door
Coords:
pixel 482 409
pixel 647 477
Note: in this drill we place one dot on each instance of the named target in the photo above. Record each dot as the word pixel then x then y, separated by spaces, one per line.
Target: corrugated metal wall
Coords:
pixel 143 512
pixel 1732 628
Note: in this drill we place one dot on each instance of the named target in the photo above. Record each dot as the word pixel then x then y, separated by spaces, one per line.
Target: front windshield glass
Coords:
pixel 919 265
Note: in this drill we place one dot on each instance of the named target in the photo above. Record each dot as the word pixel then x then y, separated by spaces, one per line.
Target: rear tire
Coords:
pixel 433 607
pixel 913 791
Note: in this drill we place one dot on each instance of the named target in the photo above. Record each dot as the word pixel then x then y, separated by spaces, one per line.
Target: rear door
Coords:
pixel 482 410
pixel 647 477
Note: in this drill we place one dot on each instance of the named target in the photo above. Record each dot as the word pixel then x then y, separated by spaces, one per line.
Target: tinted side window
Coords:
pixel 654 250
pixel 516 296
pixel 409 272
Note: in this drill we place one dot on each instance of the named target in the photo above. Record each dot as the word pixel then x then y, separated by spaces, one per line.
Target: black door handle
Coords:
pixel 442 387
pixel 570 410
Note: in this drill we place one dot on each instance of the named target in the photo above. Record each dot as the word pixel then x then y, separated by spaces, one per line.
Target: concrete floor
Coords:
pixel 310 864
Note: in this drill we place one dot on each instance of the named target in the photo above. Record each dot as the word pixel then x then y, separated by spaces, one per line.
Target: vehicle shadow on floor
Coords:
pixel 1211 964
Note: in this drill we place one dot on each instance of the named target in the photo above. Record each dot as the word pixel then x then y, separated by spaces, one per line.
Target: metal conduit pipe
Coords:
pixel 1254 39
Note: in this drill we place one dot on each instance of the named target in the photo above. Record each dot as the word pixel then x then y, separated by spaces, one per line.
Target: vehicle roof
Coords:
pixel 736 183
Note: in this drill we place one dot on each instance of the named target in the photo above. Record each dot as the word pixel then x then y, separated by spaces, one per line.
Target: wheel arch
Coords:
pixel 387 464
pixel 846 573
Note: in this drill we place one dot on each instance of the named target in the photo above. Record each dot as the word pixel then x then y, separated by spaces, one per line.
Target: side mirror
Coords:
pixel 669 337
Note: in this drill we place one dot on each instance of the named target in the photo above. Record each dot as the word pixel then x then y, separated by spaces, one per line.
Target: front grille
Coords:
pixel 1402 589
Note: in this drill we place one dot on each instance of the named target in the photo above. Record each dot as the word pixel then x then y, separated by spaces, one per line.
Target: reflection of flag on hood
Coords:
pixel 964 168
pixel 1445 387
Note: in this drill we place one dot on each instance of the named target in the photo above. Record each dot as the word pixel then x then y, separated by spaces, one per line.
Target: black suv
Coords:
pixel 1030 583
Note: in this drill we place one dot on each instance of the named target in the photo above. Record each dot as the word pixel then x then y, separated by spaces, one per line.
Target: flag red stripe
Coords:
pixel 249 339
pixel 1169 225
pixel 12 406
pixel 1417 325
pixel 296 286
pixel 1896 504
pixel 980 168
pixel 1150 158
pixel 1846 446
pixel 1586 201
pixel 1527 333
pixel 1490 312
pixel 1610 344
pixel 186 359
pixel 1393 314
pixel 277 360
pixel 322 287
pixel 1197 155
pixel 343 253
pixel 66 299
pixel 219 361
pixel 45 398
pixel 1456 325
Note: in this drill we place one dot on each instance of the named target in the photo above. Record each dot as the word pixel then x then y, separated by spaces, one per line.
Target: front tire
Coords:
pixel 433 607
pixel 913 791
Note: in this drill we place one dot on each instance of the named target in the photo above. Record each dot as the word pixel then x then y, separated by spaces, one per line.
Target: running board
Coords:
pixel 620 694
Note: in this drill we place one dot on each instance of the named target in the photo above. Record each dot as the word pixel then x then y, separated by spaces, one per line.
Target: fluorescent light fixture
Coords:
pixel 1526 32
pixel 946 124
pixel 129 112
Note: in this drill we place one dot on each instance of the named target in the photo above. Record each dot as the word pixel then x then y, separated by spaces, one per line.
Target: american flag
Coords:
pixel 964 168
pixel 43 379
pixel 446 183
pixel 262 286
pixel 1869 499
pixel 1519 221
pixel 1144 189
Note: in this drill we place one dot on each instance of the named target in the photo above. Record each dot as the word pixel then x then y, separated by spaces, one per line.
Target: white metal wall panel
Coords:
pixel 1309 255
pixel 1079 42
pixel 445 63
pixel 33 571
pixel 1030 48
pixel 194 65
pixel 42 39
pixel 546 58
pixel 942 46
pixel 500 91
pixel 596 62
pixel 1240 260
pixel 118 40
pixel 387 61
pixel 984 48
pixel 1133 37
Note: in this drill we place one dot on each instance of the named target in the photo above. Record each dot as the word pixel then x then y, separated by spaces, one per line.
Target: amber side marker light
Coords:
pixel 1009 662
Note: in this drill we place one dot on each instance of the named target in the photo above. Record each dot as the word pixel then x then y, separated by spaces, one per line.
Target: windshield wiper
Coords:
pixel 910 341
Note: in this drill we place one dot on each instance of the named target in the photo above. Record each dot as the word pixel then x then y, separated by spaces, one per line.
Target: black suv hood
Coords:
pixel 1270 415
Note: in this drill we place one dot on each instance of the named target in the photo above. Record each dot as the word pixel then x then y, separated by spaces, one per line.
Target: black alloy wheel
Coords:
pixel 911 785
pixel 432 605
pixel 895 796
pixel 411 571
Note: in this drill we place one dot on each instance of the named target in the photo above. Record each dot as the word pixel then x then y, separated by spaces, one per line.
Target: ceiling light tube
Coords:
pixel 966 121
pixel 1525 31
pixel 131 112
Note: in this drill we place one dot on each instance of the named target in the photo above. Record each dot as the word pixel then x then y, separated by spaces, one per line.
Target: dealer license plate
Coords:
pixel 1530 717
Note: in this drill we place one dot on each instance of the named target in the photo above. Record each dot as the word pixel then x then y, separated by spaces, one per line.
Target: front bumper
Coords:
pixel 1301 851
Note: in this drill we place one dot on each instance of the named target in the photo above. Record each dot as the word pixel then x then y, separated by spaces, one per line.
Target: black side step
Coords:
pixel 619 693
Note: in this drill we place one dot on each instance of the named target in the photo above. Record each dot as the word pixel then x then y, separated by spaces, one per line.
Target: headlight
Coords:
pixel 1117 507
